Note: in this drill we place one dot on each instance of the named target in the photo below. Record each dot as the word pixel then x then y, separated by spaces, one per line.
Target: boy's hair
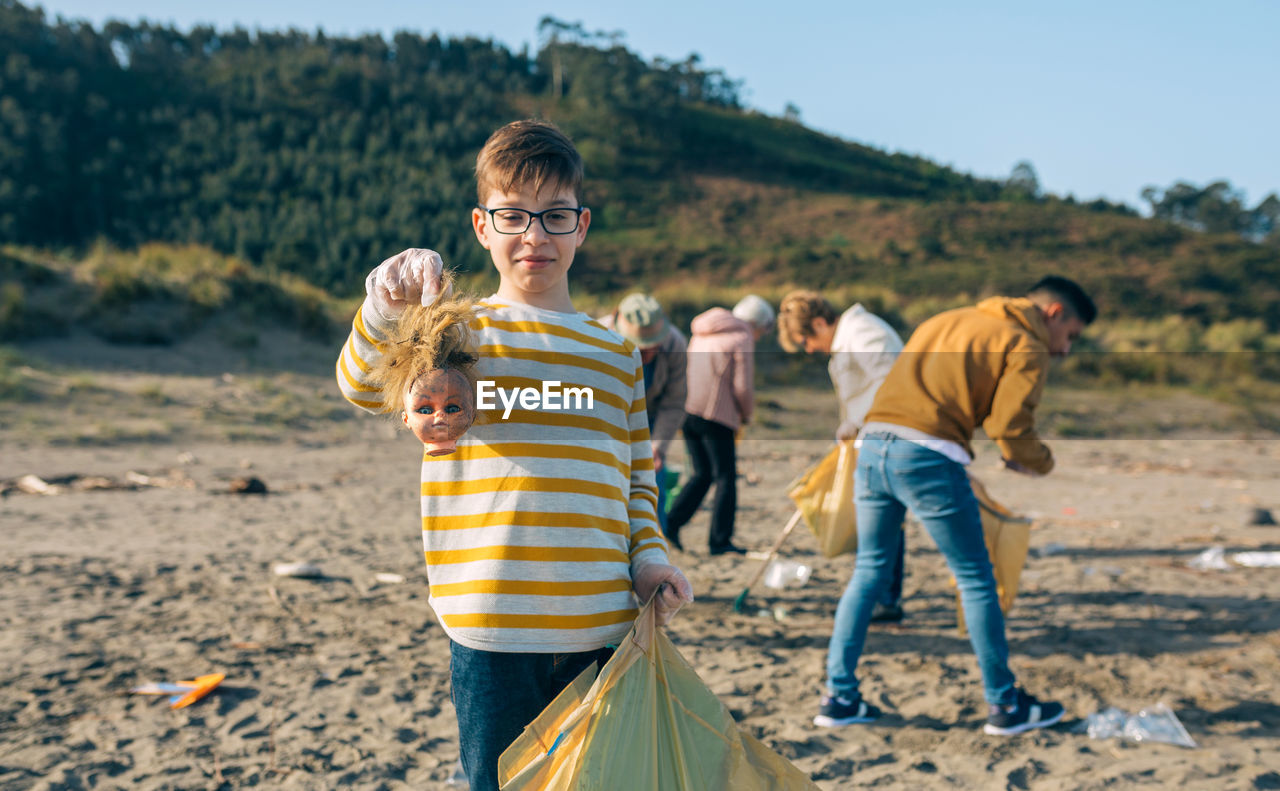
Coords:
pixel 1069 293
pixel 425 338
pixel 529 153
pixel 796 315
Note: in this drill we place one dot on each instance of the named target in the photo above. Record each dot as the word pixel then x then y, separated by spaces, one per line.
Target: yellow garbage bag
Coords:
pixel 1008 536
pixel 646 723
pixel 824 496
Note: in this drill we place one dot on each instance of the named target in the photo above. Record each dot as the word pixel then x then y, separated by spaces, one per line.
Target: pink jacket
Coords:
pixel 721 369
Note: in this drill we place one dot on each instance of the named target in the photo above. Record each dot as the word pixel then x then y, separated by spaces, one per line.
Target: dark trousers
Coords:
pixel 714 460
pixel 497 695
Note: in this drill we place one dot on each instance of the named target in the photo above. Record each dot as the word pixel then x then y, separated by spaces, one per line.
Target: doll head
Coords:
pixel 439 407
pixel 427 372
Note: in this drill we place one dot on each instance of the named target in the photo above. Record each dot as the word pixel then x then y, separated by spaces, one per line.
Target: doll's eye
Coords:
pixel 452 409
pixel 424 410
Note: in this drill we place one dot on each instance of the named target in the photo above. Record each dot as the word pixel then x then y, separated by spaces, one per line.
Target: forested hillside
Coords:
pixel 318 156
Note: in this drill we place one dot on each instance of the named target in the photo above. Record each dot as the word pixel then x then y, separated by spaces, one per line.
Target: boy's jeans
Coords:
pixel 497 695
pixel 892 476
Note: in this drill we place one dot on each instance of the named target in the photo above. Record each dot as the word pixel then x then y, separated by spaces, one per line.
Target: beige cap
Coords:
pixel 641 321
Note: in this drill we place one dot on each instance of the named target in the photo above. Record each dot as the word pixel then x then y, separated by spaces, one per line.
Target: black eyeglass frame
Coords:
pixel 534 215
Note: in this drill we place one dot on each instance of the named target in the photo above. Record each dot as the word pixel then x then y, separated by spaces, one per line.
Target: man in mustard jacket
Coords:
pixel 987 366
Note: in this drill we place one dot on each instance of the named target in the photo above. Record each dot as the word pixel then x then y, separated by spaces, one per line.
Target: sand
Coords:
pixel 342 681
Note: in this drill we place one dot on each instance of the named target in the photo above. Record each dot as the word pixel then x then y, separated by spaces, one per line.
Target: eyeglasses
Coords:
pixel 557 221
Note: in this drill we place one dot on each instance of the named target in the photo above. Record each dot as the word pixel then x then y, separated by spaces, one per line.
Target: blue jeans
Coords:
pixel 892 476
pixel 497 695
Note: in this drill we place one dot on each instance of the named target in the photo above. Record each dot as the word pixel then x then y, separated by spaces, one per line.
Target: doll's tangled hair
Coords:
pixel 426 338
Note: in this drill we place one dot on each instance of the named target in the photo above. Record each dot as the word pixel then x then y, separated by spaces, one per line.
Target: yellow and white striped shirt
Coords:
pixel 534 527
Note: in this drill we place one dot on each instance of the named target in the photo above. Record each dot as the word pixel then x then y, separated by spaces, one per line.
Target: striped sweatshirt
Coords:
pixel 534 527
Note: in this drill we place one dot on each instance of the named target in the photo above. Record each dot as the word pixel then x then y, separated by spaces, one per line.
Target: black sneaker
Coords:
pixel 837 711
pixel 1022 716
pixel 727 549
pixel 886 613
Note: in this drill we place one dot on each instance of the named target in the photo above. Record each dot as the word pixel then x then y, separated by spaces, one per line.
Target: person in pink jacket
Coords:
pixel 721 398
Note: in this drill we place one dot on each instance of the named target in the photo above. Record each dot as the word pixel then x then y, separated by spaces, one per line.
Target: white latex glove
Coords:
pixel 672 587
pixel 414 275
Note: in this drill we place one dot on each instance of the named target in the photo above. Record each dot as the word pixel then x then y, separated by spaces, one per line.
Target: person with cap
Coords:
pixel 663 353
pixel 721 400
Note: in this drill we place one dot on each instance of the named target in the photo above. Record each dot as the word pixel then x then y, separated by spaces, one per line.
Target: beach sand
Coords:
pixel 342 681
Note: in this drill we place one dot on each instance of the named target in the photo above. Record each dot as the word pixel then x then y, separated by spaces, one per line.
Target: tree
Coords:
pixel 1023 182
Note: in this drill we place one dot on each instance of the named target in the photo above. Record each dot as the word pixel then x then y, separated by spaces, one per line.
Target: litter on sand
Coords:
pixel 1216 559
pixel 1212 559
pixel 182 693
pixel 305 570
pixel 1155 724
pixel 783 573
pixel 1257 560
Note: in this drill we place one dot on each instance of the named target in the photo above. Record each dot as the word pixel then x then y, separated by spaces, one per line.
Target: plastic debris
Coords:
pixel 1155 724
pixel 182 693
pixel 1260 517
pixel 782 573
pixel 33 484
pixel 1052 548
pixel 1257 560
pixel 1212 559
pixel 247 486
pixel 388 577
pixel 308 570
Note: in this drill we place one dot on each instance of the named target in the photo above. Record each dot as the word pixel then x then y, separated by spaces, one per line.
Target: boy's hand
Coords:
pixel 676 593
pixel 413 276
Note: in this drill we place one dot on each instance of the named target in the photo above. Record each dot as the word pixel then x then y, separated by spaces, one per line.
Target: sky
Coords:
pixel 1103 98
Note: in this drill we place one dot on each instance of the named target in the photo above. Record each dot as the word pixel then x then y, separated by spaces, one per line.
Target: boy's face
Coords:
pixel 1064 328
pixel 534 265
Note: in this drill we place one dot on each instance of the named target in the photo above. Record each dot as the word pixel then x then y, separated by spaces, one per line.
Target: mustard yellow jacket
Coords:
pixel 984 365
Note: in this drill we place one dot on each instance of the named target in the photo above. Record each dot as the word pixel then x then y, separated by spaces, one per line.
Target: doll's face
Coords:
pixel 439 406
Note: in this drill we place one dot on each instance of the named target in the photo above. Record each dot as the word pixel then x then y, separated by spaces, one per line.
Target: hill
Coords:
pixel 318 156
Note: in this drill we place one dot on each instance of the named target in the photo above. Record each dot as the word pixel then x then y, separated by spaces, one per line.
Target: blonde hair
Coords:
pixel 529 153
pixel 796 315
pixel 424 339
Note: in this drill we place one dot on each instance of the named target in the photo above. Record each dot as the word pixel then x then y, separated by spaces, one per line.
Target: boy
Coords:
pixel 982 365
pixel 540 526
pixel 862 347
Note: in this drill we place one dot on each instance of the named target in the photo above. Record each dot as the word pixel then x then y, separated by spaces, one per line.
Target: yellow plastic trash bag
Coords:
pixel 647 723
pixel 824 495
pixel 1008 536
